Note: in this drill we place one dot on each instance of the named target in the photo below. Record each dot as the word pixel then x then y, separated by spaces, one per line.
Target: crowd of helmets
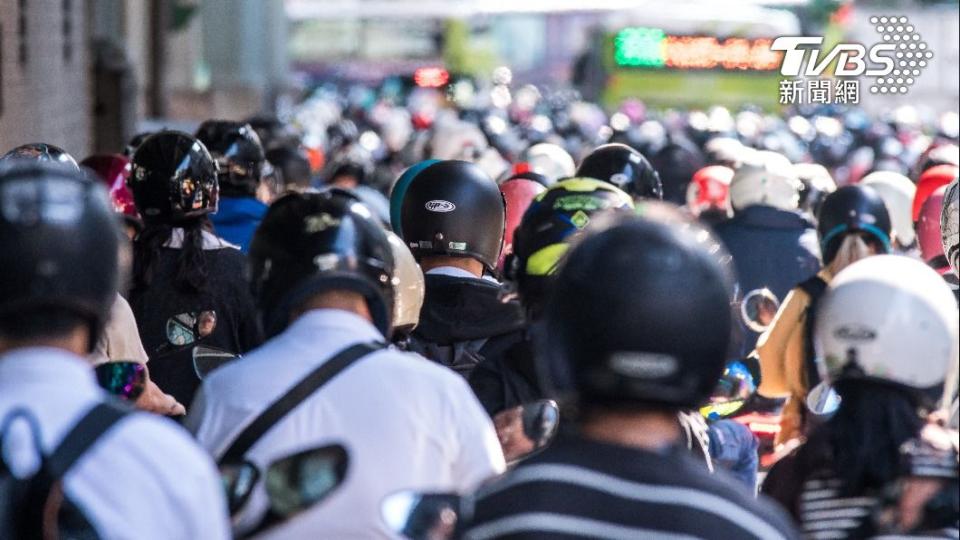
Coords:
pixel 557 203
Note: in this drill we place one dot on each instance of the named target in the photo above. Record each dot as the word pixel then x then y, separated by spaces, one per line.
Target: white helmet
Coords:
pixel 888 317
pixel 764 180
pixel 549 160
pixel 949 229
pixel 897 192
pixel 457 140
pixel 408 286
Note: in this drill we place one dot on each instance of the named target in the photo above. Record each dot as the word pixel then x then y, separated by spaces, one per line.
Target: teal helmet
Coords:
pixel 400 189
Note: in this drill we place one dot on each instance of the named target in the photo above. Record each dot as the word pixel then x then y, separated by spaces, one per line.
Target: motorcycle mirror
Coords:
pixel 125 379
pixel 422 516
pixel 207 359
pixel 238 483
pixel 525 429
pixel 758 309
pixel 541 419
pixel 823 400
pixel 187 328
pixel 302 480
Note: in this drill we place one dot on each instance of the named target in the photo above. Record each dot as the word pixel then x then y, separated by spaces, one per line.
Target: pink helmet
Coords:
pixel 113 170
pixel 518 193
pixel 928 231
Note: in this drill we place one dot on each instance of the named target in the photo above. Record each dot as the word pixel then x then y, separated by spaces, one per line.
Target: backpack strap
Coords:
pixel 814 287
pixel 293 397
pixel 82 437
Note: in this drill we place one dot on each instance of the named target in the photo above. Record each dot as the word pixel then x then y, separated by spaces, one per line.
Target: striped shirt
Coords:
pixel 811 490
pixel 587 489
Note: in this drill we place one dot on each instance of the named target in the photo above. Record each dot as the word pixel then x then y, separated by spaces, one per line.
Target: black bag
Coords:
pixel 814 287
pixel 461 356
pixel 24 502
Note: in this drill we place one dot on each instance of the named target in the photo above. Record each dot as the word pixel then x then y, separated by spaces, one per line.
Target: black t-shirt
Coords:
pixel 227 296
pixel 579 488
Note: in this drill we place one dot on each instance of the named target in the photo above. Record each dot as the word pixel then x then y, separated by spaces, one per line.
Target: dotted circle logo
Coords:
pixel 911 55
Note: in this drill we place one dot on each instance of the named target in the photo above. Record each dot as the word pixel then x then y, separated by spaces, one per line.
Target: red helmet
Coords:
pixel 709 189
pixel 518 193
pixel 928 231
pixel 113 170
pixel 928 182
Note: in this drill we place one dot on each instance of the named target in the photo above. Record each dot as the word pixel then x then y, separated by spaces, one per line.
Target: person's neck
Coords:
pixel 76 342
pixel 645 430
pixel 342 300
pixel 473 266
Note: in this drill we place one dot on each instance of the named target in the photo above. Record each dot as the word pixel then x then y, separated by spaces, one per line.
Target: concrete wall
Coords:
pixel 47 96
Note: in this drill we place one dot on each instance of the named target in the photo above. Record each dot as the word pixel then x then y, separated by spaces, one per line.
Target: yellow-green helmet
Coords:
pixel 549 225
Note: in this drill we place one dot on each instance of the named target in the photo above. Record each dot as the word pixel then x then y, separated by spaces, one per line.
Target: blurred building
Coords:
pixel 88 74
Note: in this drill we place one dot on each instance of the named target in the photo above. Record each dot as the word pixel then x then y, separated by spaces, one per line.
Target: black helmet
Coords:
pixel 291 166
pixel 173 178
pixel 135 143
pixel 60 242
pixel 238 152
pixel 41 152
pixel 625 168
pixel 352 160
pixel 312 242
pixel 548 225
pixel 453 208
pixel 639 314
pixel 273 133
pixel 852 209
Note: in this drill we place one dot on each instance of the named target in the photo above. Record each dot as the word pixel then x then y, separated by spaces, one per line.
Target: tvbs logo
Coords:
pixel 895 61
pixel 851 58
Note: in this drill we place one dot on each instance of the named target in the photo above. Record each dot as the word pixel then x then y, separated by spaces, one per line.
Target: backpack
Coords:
pixel 460 356
pixel 26 504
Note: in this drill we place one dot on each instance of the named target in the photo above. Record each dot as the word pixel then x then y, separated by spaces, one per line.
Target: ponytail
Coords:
pixel 191 271
pixel 852 249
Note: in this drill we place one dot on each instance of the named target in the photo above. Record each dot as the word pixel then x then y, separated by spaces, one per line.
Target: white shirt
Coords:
pixel 144 479
pixel 406 423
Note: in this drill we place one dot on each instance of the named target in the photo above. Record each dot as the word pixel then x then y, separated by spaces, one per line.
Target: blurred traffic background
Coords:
pixel 88 75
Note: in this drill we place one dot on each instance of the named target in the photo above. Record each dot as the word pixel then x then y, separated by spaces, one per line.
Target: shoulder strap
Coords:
pixel 293 397
pixel 814 287
pixel 83 436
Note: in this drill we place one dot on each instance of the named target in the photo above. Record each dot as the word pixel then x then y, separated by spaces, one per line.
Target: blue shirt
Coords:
pixel 237 219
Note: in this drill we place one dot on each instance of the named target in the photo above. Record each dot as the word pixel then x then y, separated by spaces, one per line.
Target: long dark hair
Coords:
pixel 866 432
pixel 191 272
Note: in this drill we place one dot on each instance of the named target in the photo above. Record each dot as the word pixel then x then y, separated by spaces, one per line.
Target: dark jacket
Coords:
pixel 771 248
pixel 459 310
pixel 237 219
pixel 506 380
pixel 227 295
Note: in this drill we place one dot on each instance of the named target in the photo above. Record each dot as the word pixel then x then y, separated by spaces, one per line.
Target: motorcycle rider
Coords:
pixel 853 224
pixel 518 193
pixel 322 274
pixel 59 276
pixel 620 324
pixel 240 156
pixel 120 339
pixel 550 225
pixel 452 220
pixel 773 245
pixel 929 235
pixel 623 167
pixel 181 271
pixel 885 369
